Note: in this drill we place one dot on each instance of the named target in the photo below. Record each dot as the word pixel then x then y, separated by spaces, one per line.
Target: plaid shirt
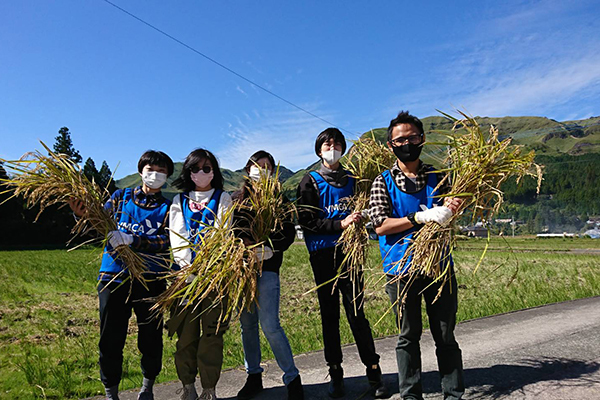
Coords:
pixel 156 243
pixel 380 207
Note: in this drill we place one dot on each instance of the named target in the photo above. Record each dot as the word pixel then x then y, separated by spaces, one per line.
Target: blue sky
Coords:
pixel 121 87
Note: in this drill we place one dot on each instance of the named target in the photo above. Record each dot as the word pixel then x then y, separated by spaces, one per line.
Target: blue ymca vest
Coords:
pixel 140 221
pixel 196 221
pixel 393 247
pixel 332 207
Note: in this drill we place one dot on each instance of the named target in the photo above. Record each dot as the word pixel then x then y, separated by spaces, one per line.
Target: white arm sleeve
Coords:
pixel 177 234
pixel 224 205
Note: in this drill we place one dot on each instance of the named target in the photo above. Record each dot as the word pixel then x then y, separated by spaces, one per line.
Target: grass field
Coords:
pixel 49 324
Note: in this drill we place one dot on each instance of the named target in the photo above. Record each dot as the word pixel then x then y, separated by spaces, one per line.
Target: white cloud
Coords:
pixel 288 135
pixel 535 60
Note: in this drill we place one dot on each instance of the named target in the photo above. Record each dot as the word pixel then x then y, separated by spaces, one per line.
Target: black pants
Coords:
pixel 116 304
pixel 325 264
pixel 442 320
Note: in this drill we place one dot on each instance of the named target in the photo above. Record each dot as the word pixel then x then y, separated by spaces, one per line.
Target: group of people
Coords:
pixel 154 226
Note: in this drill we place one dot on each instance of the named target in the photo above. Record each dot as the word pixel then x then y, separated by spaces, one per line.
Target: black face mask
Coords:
pixel 408 152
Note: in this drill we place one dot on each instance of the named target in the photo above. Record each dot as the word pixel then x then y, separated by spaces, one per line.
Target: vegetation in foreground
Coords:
pixel 49 323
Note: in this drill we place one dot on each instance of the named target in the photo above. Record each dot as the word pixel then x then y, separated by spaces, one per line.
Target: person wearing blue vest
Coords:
pixel 141 215
pixel 323 215
pixel 402 199
pixel 266 309
pixel 199 348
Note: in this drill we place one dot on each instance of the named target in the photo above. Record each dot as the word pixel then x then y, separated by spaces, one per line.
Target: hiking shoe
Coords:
pixel 252 387
pixel 295 390
pixel 188 392
pixel 208 394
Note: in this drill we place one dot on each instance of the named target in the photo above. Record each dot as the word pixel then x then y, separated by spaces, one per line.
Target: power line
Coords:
pixel 226 68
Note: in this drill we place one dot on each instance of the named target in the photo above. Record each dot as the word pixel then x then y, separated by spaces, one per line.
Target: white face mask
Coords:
pixel 202 179
pixel 255 172
pixel 153 179
pixel 331 156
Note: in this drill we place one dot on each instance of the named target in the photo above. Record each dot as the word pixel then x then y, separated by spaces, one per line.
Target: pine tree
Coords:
pixel 64 145
pixel 104 178
pixel 89 170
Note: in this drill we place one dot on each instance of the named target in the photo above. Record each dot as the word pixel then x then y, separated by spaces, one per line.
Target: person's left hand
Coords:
pixel 117 238
pixel 263 253
pixel 453 203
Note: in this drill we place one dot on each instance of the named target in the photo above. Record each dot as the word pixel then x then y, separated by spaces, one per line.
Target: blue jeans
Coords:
pixel 268 315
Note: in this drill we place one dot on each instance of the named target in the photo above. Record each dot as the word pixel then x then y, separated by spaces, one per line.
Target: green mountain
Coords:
pixel 233 179
pixel 546 136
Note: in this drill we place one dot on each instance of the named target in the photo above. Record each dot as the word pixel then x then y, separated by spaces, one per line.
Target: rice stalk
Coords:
pixel 366 160
pixel 55 179
pixel 224 269
pixel 477 166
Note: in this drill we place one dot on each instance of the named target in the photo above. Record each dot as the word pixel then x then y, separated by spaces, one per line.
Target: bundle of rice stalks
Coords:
pixel 367 159
pixel 55 179
pixel 265 209
pixel 224 269
pixel 478 165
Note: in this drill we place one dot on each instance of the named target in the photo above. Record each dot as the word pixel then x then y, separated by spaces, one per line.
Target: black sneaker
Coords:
pixel 376 382
pixel 336 384
pixel 252 387
pixel 295 390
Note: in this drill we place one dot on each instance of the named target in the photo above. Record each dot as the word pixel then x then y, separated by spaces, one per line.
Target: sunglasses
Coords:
pixel 206 169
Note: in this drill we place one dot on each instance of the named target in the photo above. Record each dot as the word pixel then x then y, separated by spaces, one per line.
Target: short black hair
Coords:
pixel 405 118
pixel 184 181
pixel 327 134
pixel 257 156
pixel 153 157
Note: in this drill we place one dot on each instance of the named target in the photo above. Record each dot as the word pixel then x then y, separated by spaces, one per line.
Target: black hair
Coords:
pixel 185 183
pixel 404 118
pixel 257 156
pixel 153 157
pixel 326 135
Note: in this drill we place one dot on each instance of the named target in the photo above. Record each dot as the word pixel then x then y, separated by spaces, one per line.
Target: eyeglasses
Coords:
pixel 206 169
pixel 412 139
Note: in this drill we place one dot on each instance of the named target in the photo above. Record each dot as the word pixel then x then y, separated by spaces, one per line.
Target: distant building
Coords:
pixel 477 230
pixel 556 235
pixel 593 233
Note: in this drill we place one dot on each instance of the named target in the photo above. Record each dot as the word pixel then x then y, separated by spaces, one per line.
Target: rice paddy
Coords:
pixel 49 322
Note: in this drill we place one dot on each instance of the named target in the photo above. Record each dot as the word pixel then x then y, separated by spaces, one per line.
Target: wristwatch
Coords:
pixel 411 219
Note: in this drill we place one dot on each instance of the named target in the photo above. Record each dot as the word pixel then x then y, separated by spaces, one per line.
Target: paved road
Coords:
pixel 550 352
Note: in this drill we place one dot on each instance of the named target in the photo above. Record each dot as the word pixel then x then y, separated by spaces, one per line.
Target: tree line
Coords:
pixel 53 227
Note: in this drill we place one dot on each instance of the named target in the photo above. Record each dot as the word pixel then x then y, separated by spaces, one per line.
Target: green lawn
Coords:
pixel 48 308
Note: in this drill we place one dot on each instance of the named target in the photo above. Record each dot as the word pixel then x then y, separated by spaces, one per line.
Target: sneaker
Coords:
pixel 188 392
pixel 145 396
pixel 336 384
pixel 252 387
pixel 376 381
pixel 295 390
pixel 208 394
pixel 112 393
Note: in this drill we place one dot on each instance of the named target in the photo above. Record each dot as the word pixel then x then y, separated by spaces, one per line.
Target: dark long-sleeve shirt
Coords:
pixel 156 243
pixel 309 205
pixel 279 240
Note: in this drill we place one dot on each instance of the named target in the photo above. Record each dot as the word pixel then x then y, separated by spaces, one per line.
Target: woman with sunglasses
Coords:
pixel 267 310
pixel 203 202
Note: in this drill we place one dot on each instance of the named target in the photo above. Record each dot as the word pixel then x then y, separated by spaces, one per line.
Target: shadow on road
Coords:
pixel 501 380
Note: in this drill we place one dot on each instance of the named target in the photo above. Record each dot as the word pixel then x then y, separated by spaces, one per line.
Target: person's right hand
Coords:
pixel 77 207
